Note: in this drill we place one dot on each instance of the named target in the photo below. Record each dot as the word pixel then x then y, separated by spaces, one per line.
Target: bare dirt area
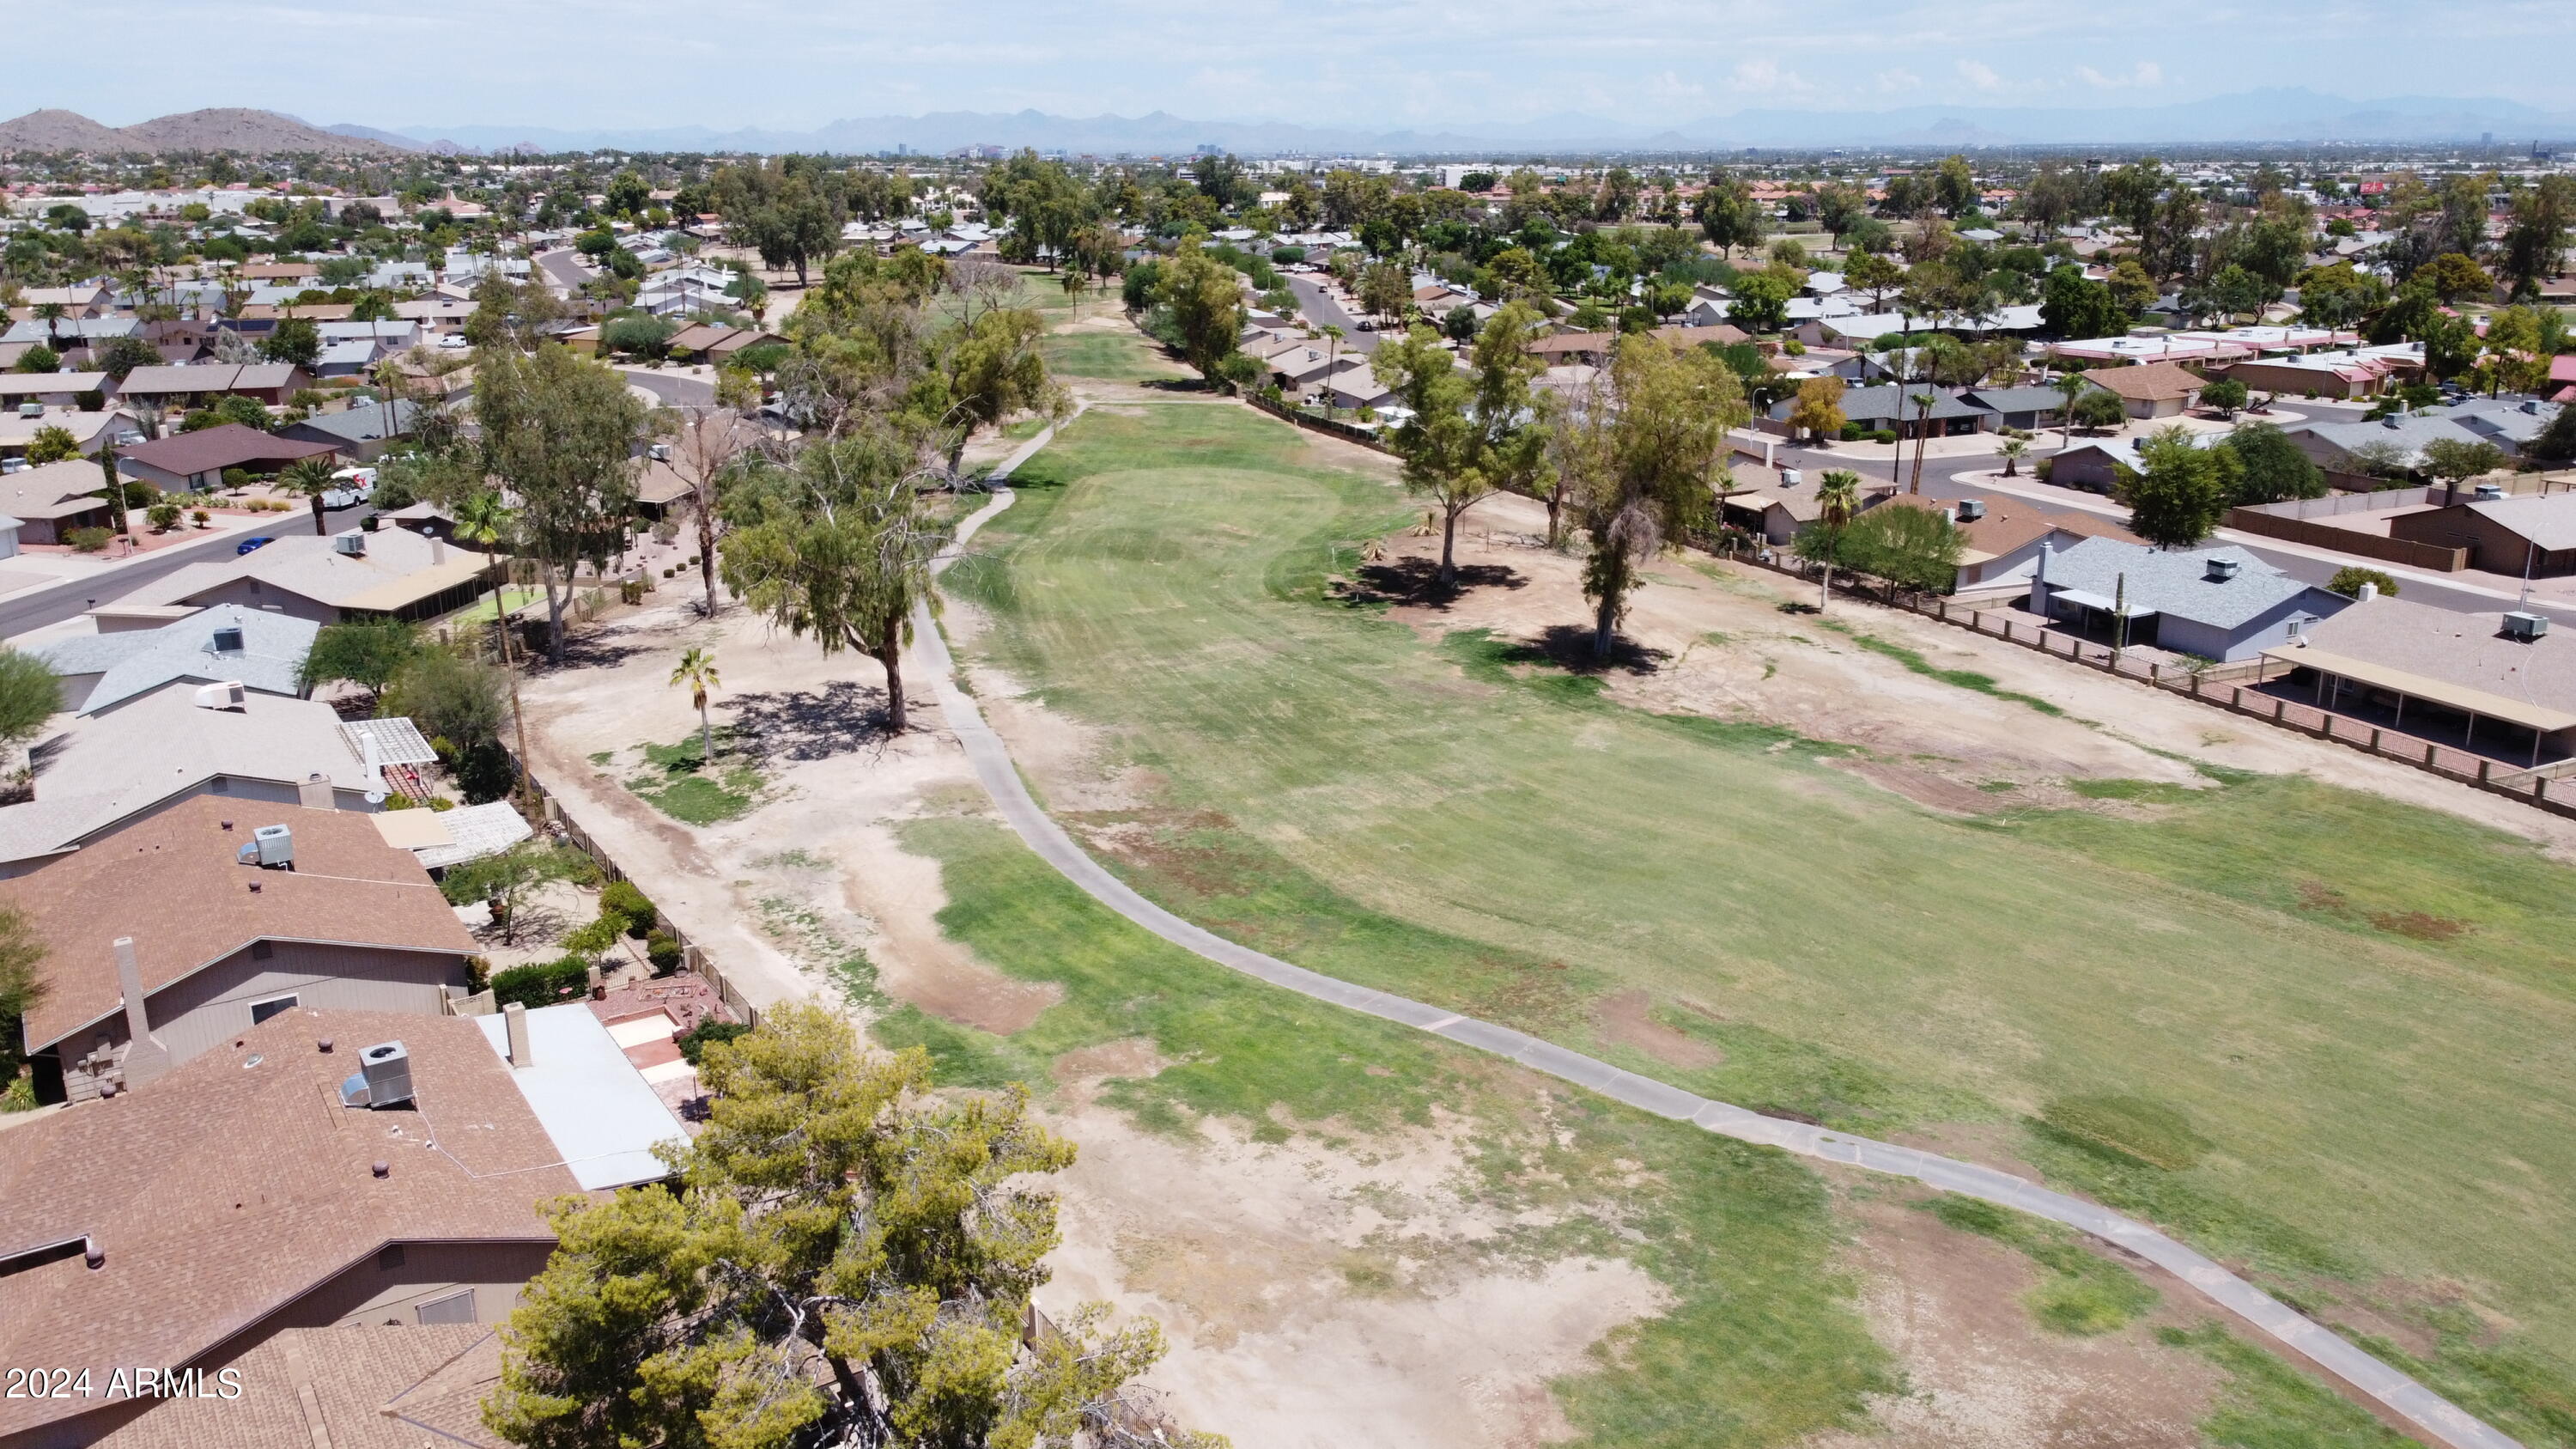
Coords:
pixel 1317 1298
pixel 1732 642
pixel 1981 1373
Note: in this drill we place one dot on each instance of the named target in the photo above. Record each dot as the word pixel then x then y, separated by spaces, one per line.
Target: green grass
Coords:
pixel 1106 356
pixel 2362 1007
pixel 2082 1293
pixel 2266 1404
pixel 1761 1346
pixel 675 780
pixel 482 610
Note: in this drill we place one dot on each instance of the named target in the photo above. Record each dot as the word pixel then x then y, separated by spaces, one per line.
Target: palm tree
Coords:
pixel 310 477
pixel 697 670
pixel 2069 385
pixel 484 520
pixel 1332 355
pixel 2012 450
pixel 52 315
pixel 1837 499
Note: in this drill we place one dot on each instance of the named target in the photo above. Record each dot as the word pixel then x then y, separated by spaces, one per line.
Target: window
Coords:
pixel 454 1308
pixel 262 1010
pixel 2294 627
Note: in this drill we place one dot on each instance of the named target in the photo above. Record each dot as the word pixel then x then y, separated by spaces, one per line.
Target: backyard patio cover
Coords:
pixel 2091 600
pixel 2416 686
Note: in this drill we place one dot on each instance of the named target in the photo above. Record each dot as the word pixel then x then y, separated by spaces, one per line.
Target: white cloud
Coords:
pixel 1765 77
pixel 1981 75
pixel 2147 75
pixel 1898 79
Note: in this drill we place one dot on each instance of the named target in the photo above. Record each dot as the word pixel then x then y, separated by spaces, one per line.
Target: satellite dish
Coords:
pixel 375 797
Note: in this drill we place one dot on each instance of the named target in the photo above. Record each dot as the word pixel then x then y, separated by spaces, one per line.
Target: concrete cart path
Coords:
pixel 2441 1421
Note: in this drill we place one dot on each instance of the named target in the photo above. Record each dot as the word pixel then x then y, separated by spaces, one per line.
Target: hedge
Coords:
pixel 544 984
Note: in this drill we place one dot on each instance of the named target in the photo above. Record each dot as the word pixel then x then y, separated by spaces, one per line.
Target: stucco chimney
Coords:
pixel 146 1058
pixel 2039 578
pixel 514 1024
pixel 315 793
pixel 437 550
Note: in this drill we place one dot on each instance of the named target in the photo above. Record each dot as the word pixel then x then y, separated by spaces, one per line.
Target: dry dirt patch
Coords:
pixel 1627 1017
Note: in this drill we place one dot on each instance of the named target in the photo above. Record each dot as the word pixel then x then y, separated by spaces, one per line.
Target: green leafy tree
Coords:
pixel 483 520
pixel 2177 500
pixel 2227 395
pixel 295 340
pixel 1761 301
pixel 2350 578
pixel 2072 306
pixel 848 1258
pixel 2535 239
pixel 2271 467
pixel 561 432
pixel 1462 438
pixel 2099 409
pixel 119 356
pixel 840 547
pixel 1205 305
pixel 2454 278
pixel 2132 288
pixel 1880 277
pixel 990 369
pixel 52 443
pixel 459 703
pixel 2455 461
pixel 2339 295
pixel 1906 547
pixel 44 360
pixel 365 652
pixel 1639 459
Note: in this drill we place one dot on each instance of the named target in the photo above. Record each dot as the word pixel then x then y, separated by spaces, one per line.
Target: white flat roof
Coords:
pixel 599 1110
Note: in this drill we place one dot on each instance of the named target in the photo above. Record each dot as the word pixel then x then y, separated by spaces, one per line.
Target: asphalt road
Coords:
pixel 2443 1422
pixel 1941 480
pixel 57 602
pixel 564 265
pixel 674 392
pixel 1322 310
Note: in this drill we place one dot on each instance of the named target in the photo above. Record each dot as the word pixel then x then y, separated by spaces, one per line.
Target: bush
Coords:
pixel 595 938
pixel 544 984
pixel 163 516
pixel 2043 468
pixel 663 950
pixel 623 900
pixel 1853 432
pixel 2350 578
pixel 1286 255
pixel 87 540
pixel 693 1047
pixel 1883 435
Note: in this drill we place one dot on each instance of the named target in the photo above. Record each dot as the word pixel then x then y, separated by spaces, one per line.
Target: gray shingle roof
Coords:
pixel 2408 437
pixel 2178 584
pixel 138 661
pixel 2548 521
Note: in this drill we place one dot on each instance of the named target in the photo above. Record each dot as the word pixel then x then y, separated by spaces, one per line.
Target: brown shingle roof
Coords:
pixel 2009 525
pixel 2147 381
pixel 374 1387
pixel 228 445
pixel 225 1190
pixel 170 882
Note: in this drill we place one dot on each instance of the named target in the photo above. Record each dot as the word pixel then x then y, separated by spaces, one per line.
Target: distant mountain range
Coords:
pixel 220 129
pixel 2285 115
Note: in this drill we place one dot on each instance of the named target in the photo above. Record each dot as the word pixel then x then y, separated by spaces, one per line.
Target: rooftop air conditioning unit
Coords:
pixel 383 1079
pixel 2525 626
pixel 2487 492
pixel 224 694
pixel 228 640
pixel 2222 569
pixel 352 544
pixel 660 452
pixel 31 410
pixel 1971 509
pixel 272 847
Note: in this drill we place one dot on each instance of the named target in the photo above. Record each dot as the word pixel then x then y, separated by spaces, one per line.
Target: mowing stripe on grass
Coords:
pixel 2438 1417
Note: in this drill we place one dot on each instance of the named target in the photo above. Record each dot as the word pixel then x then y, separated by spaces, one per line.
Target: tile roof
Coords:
pixel 2147 381
pixel 171 882
pixel 103 769
pixel 228 1188
pixel 136 661
pixel 226 445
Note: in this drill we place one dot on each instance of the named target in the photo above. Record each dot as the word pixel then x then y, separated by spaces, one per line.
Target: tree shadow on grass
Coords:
pixel 587 649
pixel 1569 647
pixel 839 718
pixel 1417 581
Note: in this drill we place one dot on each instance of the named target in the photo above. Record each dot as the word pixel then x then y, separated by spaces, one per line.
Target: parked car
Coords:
pixel 247 544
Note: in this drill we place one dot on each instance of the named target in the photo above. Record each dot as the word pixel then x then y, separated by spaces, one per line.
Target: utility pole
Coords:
pixel 2119 617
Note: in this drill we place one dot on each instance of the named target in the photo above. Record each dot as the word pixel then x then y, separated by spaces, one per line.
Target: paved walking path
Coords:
pixel 2442 1421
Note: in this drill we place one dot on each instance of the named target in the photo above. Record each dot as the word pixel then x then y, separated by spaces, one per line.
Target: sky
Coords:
pixel 796 64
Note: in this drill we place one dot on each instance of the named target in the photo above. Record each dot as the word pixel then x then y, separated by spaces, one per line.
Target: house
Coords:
pixel 52 500
pixel 2002 538
pixel 2150 389
pixel 2392 444
pixel 389 573
pixel 2100 464
pixel 254 648
pixel 2533 535
pixel 91 299
pixel 197 461
pixel 91 431
pixel 2027 408
pixel 97 773
pixel 711 342
pixel 1894 409
pixel 2351 373
pixel 361 433
pixel 2219 603
pixel 270 384
pixel 2171 347
pixel 71 332
pixel 233 1215
pixel 2512 424
pixel 161 941
pixel 1775 514
pixel 2385 658
pixel 53 389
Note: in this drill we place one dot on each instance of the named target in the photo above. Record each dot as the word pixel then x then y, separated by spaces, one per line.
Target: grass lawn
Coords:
pixel 1106 356
pixel 481 611
pixel 675 780
pixel 2359 1010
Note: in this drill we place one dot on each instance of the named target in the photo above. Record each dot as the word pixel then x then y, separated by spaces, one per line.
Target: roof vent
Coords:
pixel 383 1079
pixel 2222 570
pixel 2525 626
pixel 272 847
pixel 352 544
pixel 1971 509
pixel 228 640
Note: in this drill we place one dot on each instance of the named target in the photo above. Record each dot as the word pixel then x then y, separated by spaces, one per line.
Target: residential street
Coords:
pixel 1320 308
pixel 57 602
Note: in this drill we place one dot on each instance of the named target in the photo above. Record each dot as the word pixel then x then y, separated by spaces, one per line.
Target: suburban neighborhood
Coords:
pixel 1449 790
